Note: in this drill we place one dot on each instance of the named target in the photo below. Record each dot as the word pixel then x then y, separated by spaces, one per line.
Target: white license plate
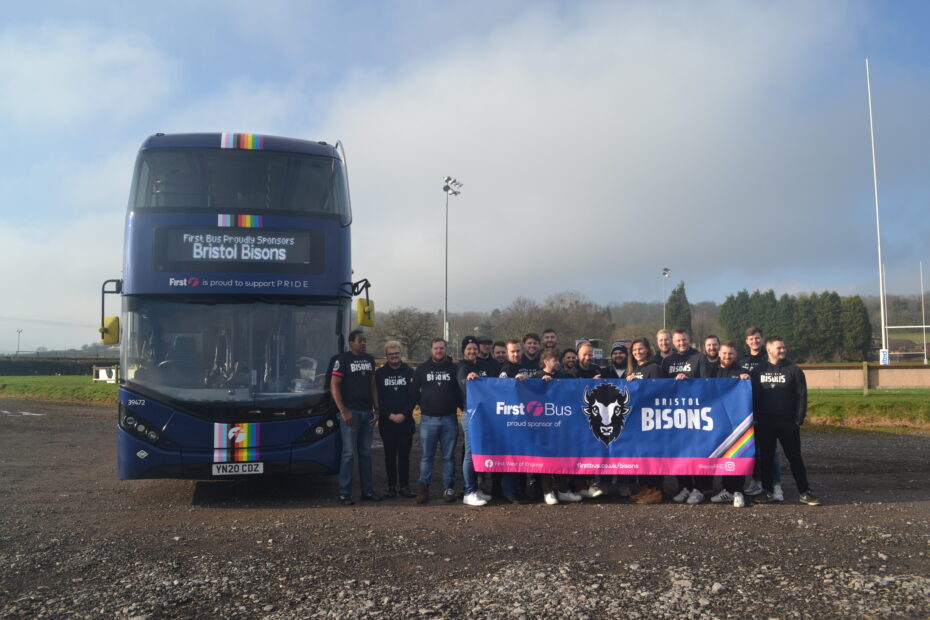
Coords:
pixel 237 469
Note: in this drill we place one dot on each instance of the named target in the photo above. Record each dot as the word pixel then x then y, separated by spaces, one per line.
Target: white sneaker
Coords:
pixel 738 500
pixel 591 492
pixel 550 499
pixel 472 499
pixel 696 497
pixel 753 488
pixel 682 496
pixel 778 494
pixel 482 495
pixel 568 496
pixel 722 496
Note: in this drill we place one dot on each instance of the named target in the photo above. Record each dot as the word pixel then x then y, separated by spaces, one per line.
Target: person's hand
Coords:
pixel 596 377
pixel 547 377
pixel 631 378
pixel 374 417
pixel 680 376
pixel 347 417
pixel 397 418
pixel 471 375
pixel 744 376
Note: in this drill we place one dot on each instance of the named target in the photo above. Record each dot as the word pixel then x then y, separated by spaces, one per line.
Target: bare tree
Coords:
pixel 414 330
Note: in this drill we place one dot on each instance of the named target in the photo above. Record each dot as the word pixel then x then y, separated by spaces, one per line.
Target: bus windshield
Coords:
pixel 240 180
pixel 247 353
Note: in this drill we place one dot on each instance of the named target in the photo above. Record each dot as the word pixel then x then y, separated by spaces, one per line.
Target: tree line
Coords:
pixel 818 327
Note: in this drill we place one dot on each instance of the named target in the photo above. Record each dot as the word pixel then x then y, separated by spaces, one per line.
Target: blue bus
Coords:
pixel 236 292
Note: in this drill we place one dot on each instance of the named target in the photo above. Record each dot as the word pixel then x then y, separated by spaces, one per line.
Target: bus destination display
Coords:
pixel 208 248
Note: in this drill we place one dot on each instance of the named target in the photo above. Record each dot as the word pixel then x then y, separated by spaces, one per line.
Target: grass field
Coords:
pixel 74 389
pixel 894 410
pixel 880 410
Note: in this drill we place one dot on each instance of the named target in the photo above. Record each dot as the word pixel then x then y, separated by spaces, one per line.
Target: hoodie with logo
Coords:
pixel 682 363
pixel 647 370
pixel 394 393
pixel 750 361
pixel 435 388
pixel 779 392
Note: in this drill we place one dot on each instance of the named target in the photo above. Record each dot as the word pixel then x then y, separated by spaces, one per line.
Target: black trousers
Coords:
pixel 397 439
pixel 733 483
pixel 788 434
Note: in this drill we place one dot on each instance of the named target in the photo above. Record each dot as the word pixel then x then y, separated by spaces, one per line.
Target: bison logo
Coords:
pixel 606 408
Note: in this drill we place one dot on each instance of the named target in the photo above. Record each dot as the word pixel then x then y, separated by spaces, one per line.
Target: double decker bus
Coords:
pixel 236 292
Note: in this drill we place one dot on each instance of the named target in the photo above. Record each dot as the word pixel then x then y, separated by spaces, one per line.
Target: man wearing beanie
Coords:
pixel 618 361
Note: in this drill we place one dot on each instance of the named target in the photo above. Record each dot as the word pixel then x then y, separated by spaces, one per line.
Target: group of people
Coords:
pixel 386 397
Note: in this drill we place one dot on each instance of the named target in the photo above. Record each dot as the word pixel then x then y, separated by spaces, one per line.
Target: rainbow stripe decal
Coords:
pixel 236 443
pixel 247 141
pixel 742 437
pixel 240 221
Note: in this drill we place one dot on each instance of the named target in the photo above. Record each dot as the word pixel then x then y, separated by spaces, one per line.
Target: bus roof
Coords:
pixel 256 141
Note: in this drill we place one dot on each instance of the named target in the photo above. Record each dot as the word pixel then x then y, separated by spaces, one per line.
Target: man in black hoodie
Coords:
pixel 709 362
pixel 530 358
pixel 683 364
pixel 395 382
pixel 437 392
pixel 757 356
pixel 780 406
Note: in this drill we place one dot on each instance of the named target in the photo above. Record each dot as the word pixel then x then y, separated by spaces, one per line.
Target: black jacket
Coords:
pixel 649 370
pixel 435 388
pixel 488 367
pixel 779 392
pixel 749 361
pixel 395 393
pixel 510 370
pixel 707 368
pixel 686 363
pixel 580 373
pixel 733 372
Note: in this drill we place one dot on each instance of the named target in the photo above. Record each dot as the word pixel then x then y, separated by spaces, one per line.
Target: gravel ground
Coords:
pixel 77 542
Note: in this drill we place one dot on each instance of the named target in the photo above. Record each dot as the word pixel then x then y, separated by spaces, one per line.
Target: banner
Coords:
pixel 611 426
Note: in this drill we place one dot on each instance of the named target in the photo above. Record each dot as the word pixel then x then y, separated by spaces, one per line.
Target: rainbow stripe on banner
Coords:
pixel 236 442
pixel 247 141
pixel 241 221
pixel 739 440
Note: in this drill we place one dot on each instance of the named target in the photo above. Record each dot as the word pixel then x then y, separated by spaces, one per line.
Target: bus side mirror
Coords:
pixel 366 313
pixel 109 333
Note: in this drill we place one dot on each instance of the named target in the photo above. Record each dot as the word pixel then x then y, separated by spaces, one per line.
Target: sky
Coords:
pixel 598 142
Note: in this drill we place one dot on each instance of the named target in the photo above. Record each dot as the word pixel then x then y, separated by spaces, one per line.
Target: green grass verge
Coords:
pixel 881 409
pixel 71 389
pixel 902 409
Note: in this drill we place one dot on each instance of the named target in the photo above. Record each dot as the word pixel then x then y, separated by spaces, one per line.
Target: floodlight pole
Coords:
pixel 878 230
pixel 452 188
pixel 665 273
pixel 19 333
pixel 923 315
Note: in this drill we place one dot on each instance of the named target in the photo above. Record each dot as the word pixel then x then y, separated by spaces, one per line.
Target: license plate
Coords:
pixel 237 469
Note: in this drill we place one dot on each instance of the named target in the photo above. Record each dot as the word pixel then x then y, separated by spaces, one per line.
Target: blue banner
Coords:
pixel 611 426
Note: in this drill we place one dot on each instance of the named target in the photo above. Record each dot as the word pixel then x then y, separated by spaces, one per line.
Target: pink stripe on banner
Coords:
pixel 651 466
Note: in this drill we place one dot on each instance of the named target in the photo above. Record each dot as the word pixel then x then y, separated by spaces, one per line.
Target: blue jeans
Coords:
pixel 444 431
pixel 468 467
pixel 356 439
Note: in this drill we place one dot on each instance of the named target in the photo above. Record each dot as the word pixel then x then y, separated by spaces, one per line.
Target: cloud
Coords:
pixel 598 148
pixel 56 76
